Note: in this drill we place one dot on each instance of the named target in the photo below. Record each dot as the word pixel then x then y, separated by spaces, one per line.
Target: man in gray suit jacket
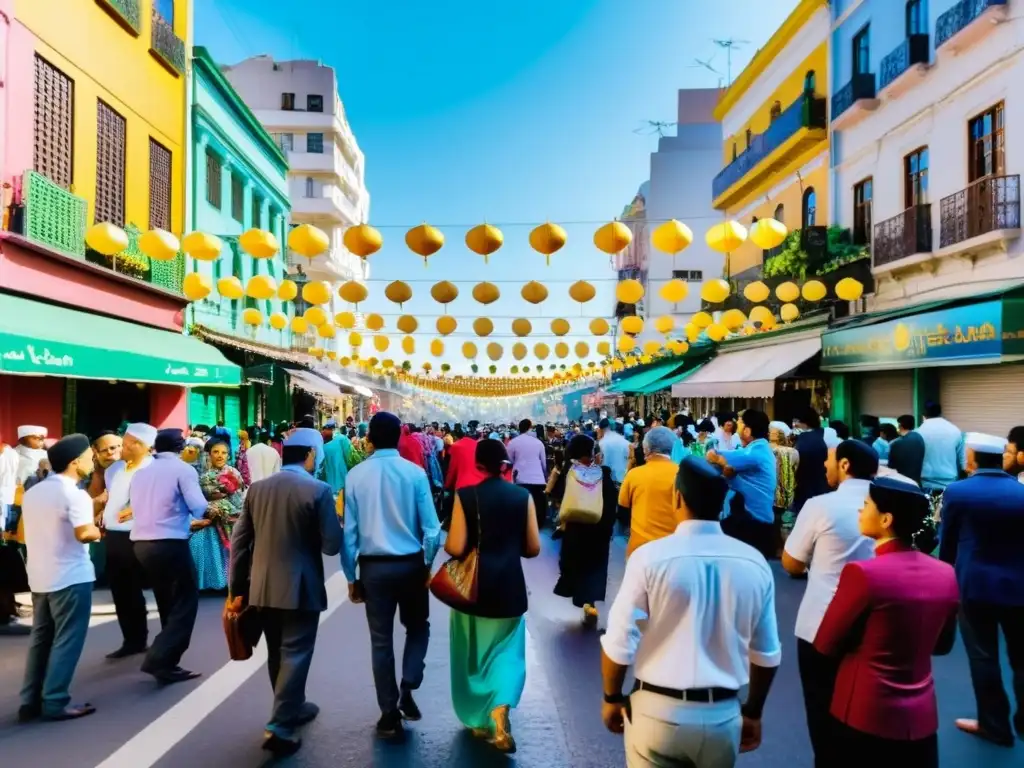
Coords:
pixel 288 522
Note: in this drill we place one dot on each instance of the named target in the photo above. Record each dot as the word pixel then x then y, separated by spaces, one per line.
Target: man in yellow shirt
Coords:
pixel 649 491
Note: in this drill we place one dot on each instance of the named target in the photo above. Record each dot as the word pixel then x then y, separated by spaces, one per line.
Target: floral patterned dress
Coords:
pixel 225 490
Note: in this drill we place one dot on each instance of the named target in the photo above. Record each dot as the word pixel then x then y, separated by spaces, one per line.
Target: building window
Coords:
pixel 735 151
pixel 288 102
pixel 915 178
pixel 166 9
pixel 237 199
pixel 750 137
pixel 309 186
pixel 775 112
pixel 862 51
pixel 810 82
pixel 315 143
pixel 689 275
pixel 257 211
pixel 213 179
pixel 314 103
pixel 286 141
pixel 917 18
pixel 986 153
pixel 159 186
pixel 110 165
pixel 862 195
pixel 780 213
pixel 53 123
pixel 810 208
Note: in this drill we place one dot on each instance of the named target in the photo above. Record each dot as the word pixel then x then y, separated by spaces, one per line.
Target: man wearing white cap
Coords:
pixel 30 450
pixel 982 535
pixel 124 571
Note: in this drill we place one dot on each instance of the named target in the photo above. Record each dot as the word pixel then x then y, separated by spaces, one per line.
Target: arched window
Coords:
pixel 810 82
pixel 780 213
pixel 810 211
pixel 776 111
pixel 917 18
pixel 166 9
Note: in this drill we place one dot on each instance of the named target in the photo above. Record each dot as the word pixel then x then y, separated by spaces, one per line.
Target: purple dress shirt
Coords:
pixel 529 460
pixel 165 497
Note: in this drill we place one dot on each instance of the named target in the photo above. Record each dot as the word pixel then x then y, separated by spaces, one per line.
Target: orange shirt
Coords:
pixel 650 494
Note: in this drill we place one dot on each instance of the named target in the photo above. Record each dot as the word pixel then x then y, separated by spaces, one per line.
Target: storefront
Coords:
pixel 962 353
pixel 648 391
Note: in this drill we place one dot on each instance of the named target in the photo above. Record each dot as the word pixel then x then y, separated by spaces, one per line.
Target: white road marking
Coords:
pixel 149 745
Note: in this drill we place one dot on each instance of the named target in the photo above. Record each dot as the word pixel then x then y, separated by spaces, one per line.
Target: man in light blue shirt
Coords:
pixel 614 450
pixel 753 475
pixel 944 451
pixel 391 536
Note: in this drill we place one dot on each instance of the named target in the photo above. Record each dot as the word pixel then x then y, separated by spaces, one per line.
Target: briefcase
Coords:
pixel 242 631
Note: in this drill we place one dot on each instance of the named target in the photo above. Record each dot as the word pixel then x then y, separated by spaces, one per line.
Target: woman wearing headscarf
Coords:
pixel 242 457
pixel 224 489
pixel 889 616
pixel 583 563
pixel 488 646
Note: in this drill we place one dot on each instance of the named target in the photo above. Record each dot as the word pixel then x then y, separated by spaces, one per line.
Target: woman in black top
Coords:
pixel 488 647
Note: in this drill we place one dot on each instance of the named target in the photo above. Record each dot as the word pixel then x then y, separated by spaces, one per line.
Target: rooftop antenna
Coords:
pixel 730 45
pixel 702 64
pixel 650 127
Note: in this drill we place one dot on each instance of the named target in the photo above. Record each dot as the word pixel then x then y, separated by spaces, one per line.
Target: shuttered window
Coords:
pixel 110 165
pixel 53 123
pixel 237 199
pixel 159 186
pixel 257 211
pixel 213 189
pixel 986 398
pixel 887 394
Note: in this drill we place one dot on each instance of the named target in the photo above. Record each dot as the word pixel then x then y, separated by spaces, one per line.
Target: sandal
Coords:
pixel 72 712
pixel 502 739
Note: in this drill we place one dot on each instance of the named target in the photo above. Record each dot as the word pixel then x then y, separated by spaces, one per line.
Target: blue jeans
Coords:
pixel 59 626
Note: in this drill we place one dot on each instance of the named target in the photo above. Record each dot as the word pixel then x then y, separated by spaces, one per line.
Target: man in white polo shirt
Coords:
pixel 59 525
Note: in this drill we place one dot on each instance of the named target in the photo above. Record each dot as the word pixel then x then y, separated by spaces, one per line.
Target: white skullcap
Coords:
pixel 832 439
pixel 640 422
pixel 781 426
pixel 144 433
pixel 982 443
pixel 29 430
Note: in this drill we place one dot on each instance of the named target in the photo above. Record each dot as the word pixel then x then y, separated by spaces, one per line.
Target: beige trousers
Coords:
pixel 667 733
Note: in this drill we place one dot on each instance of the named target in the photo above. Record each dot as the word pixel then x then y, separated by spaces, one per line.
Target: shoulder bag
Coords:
pixel 584 497
pixel 455 584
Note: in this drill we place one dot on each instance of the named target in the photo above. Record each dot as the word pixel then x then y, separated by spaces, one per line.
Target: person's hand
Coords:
pixel 234 605
pixel 712 456
pixel 614 717
pixel 103 498
pixel 750 734
pixel 198 524
pixel 355 594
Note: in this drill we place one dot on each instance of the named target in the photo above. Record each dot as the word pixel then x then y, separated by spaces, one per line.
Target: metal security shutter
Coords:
pixel 887 394
pixel 202 408
pixel 159 186
pixel 987 398
pixel 110 165
pixel 232 413
pixel 53 127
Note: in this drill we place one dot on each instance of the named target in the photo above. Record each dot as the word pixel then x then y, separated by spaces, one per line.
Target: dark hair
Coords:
pixel 580 447
pixel 295 454
pixel 888 431
pixel 307 422
pixel 906 503
pixel 867 420
pixel 811 418
pixel 758 423
pixel 707 426
pixel 539 432
pixel 842 431
pixel 907 422
pixel 473 425
pixel 988 460
pixel 100 435
pixel 604 423
pixel 932 410
pixel 702 488
pixel 687 438
pixel 385 430
pixel 213 442
pixel 862 457
pixel 524 426
pixel 491 456
pixel 457 433
pixel 1017 438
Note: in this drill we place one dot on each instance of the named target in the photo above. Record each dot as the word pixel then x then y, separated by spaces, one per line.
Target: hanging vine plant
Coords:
pixel 793 261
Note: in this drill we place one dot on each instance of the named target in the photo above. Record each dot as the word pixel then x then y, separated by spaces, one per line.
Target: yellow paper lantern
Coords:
pixel 664 324
pixel 582 350
pixel 692 332
pixel 768 233
pixel 201 246
pixel 613 237
pixel 381 343
pixel 629 291
pixel 261 287
pixel 756 292
pixel 534 292
pixel 599 326
pixel 849 289
pixel 363 240
pixel 230 288
pixel 547 239
pixel 252 316
pixel 674 291
pixel 355 339
pixel 604 348
pixel 486 293
pixel 789 313
pixel 733 319
pixel 494 351
pixel 671 237
pixel 408 345
pixel 424 240
pixel 715 291
pixel 352 292
pixel 717 331
pixel 626 344
pixel 581 291
pixel 632 325
pixel 106 238
pixel 325 331
pixel 678 347
pixel 278 321
pixel 484 240
pixel 398 292
pixel 764 316
pixel 316 292
pixel 446 325
pixel 196 287
pixel 814 290
pixel 702 320
pixel 407 324
pixel 522 327
pixel 345 320
pixel 469 350
pixel 159 245
pixel 726 237
pixel 300 325
pixel 787 292
pixel 437 348
pixel 652 347
pixel 519 351
pixel 287 290
pixel 560 327
pixel 483 327
pixel 541 351
pixel 316 352
pixel 444 292
pixel 259 243
pixel 561 350
pixel 308 241
pixel 373 322
pixel 315 316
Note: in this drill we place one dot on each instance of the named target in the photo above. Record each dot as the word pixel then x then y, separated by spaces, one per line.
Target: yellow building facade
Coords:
pixel 126 61
pixel 775 133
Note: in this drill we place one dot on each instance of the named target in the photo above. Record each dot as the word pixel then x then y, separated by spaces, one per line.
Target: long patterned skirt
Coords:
pixel 210 558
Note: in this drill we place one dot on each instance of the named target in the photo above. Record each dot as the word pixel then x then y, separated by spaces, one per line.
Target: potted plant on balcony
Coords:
pixel 792 261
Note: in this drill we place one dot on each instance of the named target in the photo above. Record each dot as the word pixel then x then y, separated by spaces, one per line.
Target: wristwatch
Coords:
pixel 614 698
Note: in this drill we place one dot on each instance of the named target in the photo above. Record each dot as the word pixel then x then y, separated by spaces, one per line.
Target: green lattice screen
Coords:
pixel 54 216
pixel 166 274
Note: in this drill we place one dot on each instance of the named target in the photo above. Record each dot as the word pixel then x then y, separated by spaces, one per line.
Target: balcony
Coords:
pixel 903 240
pixel 854 101
pixel 904 67
pixel 127 13
pixel 801 125
pixel 985 215
pixel 331 206
pixel 167 47
pixel 311 162
pixel 52 215
pixel 966 23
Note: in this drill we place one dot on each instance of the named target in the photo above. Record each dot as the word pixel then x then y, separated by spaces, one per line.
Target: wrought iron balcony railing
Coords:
pixel 862 86
pixel 960 16
pixel 913 50
pixel 167 46
pixel 903 235
pixel 128 13
pixel 988 205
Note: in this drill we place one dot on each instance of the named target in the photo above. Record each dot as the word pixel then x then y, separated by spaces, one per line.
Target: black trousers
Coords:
pixel 761 536
pixel 126 577
pixel 540 501
pixel 979 625
pixel 168 566
pixel 291 637
pixel 856 749
pixel 818 680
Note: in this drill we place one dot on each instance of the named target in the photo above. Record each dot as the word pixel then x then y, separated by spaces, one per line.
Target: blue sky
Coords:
pixel 510 112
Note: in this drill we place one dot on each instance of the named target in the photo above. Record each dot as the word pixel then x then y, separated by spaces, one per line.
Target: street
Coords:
pixel 218 720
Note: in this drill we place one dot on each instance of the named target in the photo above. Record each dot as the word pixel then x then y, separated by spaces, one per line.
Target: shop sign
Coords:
pixel 969 332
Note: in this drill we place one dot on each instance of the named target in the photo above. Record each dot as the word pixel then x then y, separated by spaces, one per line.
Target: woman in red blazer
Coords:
pixel 889 616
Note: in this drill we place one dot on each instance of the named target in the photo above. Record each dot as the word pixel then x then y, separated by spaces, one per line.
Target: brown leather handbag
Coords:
pixel 242 631
pixel 455 584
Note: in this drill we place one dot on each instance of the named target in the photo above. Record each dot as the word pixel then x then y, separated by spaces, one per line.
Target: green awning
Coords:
pixel 668 380
pixel 632 383
pixel 38 339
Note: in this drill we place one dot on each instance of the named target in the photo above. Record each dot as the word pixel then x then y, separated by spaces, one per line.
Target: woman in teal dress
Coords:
pixel 225 491
pixel 488 646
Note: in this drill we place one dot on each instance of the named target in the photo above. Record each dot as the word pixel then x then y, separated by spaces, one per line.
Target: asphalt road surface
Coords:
pixel 218 719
